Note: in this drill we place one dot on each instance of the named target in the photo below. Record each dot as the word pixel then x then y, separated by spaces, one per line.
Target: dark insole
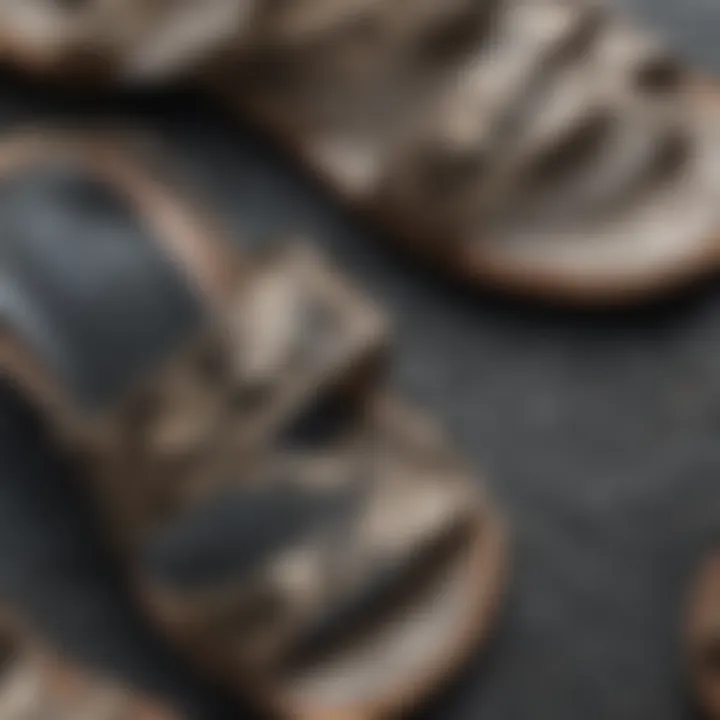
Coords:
pixel 84 282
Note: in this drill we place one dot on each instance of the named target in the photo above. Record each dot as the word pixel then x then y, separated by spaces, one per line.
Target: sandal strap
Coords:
pixel 295 334
pixel 161 366
pixel 370 519
pixel 453 145
pixel 299 332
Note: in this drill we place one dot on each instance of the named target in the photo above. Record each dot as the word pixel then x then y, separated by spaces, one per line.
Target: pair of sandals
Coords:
pixel 300 533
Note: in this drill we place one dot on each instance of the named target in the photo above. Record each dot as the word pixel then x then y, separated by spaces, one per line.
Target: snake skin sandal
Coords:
pixel 36 685
pixel 304 536
pixel 543 146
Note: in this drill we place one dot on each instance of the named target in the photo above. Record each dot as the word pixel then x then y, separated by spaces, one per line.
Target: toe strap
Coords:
pixel 336 543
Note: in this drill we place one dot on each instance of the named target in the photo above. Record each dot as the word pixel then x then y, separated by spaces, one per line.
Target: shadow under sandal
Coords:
pixel 542 146
pixel 306 537
pixel 36 685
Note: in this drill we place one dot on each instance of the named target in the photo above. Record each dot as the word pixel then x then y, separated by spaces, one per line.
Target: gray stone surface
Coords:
pixel 598 434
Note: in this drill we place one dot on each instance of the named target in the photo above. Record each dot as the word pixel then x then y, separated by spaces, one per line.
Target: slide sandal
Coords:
pixel 542 146
pixel 702 638
pixel 546 147
pixel 36 685
pixel 304 536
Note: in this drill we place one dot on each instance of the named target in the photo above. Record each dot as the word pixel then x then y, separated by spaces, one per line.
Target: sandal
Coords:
pixel 36 685
pixel 304 536
pixel 543 146
pixel 702 638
